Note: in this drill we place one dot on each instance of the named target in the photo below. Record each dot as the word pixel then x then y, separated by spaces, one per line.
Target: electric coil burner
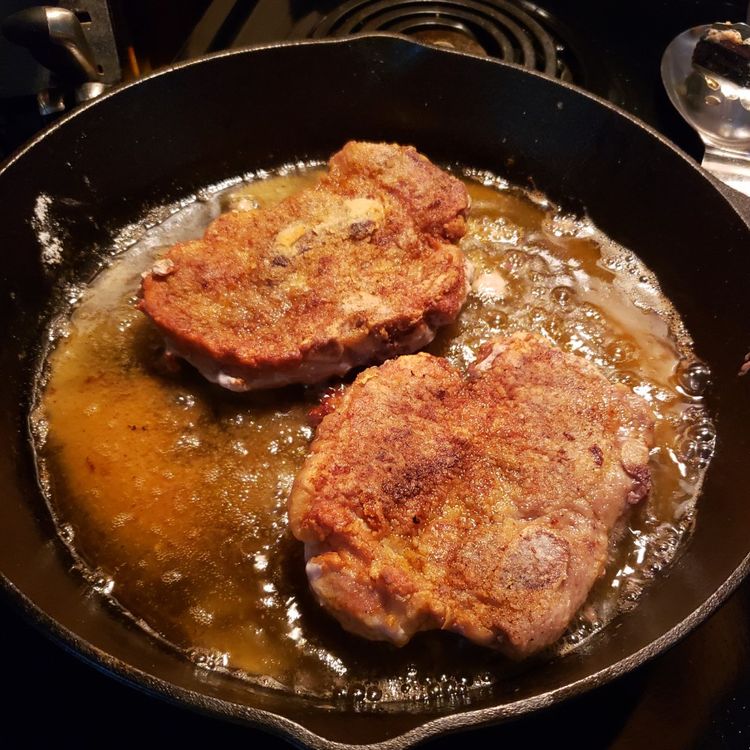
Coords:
pixel 546 39
pixel 499 28
pixel 511 30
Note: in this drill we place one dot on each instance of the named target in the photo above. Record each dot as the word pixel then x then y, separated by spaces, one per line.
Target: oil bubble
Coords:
pixel 702 433
pixel 207 658
pixel 705 453
pixel 563 295
pixel 538 264
pixel 102 583
pixel 185 400
pixel 695 414
pixel 695 378
pixel 357 692
pixel 688 450
pixel 449 687
pixel 67 533
pixel 621 351
pixel 628 378
pixel 514 261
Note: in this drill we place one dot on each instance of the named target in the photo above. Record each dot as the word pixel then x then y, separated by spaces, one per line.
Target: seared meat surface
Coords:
pixel 361 267
pixel 481 505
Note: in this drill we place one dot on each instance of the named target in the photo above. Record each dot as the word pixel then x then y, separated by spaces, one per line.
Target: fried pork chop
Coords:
pixel 361 267
pixel 481 505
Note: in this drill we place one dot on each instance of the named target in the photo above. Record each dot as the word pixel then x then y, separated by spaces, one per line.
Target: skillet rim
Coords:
pixel 435 725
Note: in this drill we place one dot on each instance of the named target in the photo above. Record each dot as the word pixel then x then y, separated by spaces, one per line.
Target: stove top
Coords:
pixel 695 696
pixel 509 31
pixel 614 52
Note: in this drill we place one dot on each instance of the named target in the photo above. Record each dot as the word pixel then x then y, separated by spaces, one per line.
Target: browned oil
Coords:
pixel 171 492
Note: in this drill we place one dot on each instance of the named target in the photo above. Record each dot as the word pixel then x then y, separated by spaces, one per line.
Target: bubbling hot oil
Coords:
pixel 171 493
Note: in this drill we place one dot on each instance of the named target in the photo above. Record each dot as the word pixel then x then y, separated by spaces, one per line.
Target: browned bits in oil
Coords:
pixel 174 490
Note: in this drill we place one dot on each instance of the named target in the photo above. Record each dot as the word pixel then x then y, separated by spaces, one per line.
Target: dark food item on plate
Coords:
pixel 361 267
pixel 724 50
pixel 482 505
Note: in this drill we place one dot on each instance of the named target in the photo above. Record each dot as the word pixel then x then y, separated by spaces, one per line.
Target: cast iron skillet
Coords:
pixel 154 141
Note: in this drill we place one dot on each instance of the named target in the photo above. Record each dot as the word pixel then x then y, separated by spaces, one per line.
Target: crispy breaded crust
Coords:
pixel 360 268
pixel 481 505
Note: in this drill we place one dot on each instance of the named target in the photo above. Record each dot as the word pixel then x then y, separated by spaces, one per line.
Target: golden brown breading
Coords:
pixel 481 505
pixel 359 268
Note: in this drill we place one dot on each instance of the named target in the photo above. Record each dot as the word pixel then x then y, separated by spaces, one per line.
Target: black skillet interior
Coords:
pixel 163 138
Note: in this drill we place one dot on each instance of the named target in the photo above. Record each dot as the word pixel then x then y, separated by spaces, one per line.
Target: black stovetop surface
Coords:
pixel 695 696
pixel 612 48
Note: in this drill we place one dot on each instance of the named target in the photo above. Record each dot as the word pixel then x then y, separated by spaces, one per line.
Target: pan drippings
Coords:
pixel 171 492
